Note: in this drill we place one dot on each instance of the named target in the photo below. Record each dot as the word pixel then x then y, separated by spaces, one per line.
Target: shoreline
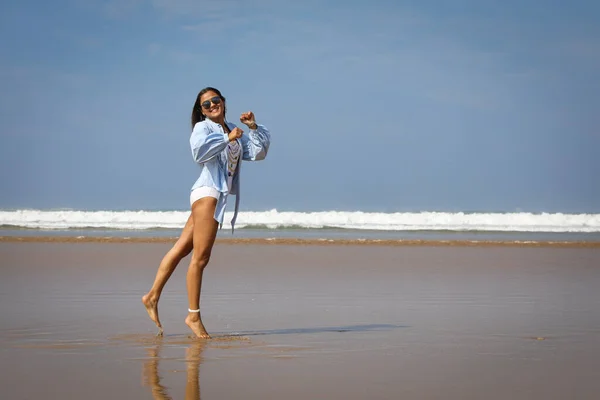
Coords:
pixel 310 242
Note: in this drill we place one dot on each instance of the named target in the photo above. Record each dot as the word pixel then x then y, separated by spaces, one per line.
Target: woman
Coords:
pixel 218 146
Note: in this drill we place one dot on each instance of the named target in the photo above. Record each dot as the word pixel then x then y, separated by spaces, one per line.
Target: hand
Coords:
pixel 247 118
pixel 236 133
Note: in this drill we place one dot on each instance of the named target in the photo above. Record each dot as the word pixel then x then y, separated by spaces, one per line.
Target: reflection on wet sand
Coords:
pixel 152 378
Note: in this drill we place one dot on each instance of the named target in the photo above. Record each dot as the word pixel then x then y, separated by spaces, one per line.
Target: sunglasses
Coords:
pixel 215 100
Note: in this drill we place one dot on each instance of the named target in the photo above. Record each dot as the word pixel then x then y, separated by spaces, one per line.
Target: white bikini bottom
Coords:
pixel 203 191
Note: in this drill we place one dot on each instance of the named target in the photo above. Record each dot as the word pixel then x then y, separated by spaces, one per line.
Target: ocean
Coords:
pixel 518 226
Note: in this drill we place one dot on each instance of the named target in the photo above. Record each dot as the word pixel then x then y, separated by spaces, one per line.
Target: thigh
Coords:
pixel 204 226
pixel 185 243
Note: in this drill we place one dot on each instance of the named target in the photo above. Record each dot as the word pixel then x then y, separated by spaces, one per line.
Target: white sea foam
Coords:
pixel 138 220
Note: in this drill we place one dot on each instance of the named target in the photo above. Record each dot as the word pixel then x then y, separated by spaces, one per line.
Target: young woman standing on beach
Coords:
pixel 218 146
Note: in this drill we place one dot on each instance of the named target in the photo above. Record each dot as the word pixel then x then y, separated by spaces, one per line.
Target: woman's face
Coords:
pixel 212 105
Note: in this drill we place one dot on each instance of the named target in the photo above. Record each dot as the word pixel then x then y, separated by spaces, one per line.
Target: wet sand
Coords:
pixel 313 242
pixel 303 321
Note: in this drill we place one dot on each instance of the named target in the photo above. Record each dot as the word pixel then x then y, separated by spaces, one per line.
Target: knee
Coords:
pixel 182 251
pixel 177 253
pixel 201 259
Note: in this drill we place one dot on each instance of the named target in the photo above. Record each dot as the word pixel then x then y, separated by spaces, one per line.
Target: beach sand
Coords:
pixel 294 321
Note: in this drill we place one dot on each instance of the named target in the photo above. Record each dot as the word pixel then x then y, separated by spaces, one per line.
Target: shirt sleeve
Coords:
pixel 255 143
pixel 205 144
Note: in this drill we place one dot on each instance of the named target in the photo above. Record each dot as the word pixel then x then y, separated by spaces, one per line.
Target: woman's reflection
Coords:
pixel 193 356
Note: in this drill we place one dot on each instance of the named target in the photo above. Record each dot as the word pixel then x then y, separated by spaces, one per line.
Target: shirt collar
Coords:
pixel 210 121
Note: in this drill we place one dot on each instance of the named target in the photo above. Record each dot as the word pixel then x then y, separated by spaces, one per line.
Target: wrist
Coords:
pixel 253 126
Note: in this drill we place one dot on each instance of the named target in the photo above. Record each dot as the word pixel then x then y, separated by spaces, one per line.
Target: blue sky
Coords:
pixel 472 105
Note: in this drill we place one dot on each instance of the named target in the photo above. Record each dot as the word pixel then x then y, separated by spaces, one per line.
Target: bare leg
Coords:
pixel 180 249
pixel 205 232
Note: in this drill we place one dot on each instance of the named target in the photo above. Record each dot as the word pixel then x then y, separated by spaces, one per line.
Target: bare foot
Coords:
pixel 193 321
pixel 151 305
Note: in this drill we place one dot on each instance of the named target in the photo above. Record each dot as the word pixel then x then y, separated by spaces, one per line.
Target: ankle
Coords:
pixel 152 295
pixel 193 315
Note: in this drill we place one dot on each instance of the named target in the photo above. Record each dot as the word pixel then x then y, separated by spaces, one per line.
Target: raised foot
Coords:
pixel 197 327
pixel 151 305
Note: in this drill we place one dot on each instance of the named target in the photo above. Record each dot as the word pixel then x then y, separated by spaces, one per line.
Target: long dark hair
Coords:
pixel 197 115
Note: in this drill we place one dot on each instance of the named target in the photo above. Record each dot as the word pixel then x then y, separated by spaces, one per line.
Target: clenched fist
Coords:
pixel 247 118
pixel 236 133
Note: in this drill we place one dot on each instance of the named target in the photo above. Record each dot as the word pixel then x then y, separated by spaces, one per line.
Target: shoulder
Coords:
pixel 201 126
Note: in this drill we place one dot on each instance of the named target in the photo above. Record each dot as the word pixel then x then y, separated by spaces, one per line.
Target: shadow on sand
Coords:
pixel 296 331
pixel 193 356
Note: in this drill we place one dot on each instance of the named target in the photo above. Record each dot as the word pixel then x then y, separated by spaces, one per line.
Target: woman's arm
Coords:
pixel 256 143
pixel 206 145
